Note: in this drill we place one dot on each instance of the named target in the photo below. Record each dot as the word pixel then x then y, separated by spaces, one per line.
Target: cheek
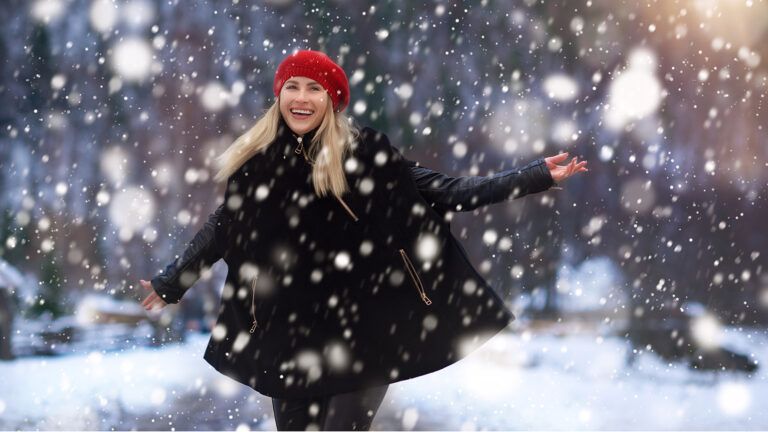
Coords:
pixel 322 104
pixel 284 103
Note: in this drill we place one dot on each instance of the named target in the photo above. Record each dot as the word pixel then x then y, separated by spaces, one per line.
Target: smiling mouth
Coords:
pixel 301 113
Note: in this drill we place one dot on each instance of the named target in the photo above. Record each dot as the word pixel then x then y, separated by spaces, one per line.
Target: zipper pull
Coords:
pixel 253 327
pixel 426 299
pixel 415 278
pixel 300 150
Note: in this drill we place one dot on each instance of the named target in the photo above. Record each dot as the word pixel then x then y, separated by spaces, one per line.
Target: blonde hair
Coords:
pixel 330 144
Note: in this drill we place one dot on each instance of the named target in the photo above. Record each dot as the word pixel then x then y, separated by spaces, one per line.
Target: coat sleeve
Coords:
pixel 470 192
pixel 203 251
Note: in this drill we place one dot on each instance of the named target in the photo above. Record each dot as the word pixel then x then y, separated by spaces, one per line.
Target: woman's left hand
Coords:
pixel 562 172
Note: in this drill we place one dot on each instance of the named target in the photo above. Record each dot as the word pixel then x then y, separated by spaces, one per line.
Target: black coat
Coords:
pixel 327 296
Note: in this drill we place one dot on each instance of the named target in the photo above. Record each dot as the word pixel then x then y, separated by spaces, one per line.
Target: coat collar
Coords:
pixel 285 132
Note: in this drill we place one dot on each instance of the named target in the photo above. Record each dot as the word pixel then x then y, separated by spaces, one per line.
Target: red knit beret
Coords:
pixel 319 67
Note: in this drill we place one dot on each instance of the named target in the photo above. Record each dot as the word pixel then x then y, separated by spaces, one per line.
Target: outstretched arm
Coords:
pixel 470 192
pixel 202 252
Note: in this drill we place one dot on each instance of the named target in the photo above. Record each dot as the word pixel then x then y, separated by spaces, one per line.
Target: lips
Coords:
pixel 301 113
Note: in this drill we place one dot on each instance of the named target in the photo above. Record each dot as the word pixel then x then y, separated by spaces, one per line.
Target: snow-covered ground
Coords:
pixel 516 381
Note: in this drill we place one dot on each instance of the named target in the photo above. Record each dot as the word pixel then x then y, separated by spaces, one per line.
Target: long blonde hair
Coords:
pixel 329 146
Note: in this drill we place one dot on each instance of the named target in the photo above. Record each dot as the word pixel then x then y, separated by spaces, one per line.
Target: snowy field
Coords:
pixel 516 381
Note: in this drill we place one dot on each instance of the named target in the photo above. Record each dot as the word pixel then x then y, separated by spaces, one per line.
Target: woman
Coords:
pixel 343 275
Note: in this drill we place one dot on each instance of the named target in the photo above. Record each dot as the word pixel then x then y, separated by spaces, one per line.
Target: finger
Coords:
pixel 557 158
pixel 153 305
pixel 147 301
pixel 158 304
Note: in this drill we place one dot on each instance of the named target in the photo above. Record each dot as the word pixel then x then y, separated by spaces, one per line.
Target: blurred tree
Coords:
pixel 50 298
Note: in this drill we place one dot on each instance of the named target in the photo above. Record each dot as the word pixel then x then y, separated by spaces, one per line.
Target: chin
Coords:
pixel 300 129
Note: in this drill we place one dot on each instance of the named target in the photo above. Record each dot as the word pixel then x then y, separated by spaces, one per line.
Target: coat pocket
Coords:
pixel 415 277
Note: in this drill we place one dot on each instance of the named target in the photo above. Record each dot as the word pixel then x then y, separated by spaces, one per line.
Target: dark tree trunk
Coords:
pixel 6 320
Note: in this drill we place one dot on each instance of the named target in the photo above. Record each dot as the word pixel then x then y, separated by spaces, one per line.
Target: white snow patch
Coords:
pixel 138 14
pixel 634 93
pixel 561 87
pixel 539 381
pixel 131 210
pixel 47 11
pixel 132 59
pixel 103 15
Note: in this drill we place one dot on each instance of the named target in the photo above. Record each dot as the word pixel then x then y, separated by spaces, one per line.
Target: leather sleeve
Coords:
pixel 470 192
pixel 202 252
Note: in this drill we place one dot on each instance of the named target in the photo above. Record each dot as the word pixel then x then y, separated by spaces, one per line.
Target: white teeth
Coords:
pixel 297 111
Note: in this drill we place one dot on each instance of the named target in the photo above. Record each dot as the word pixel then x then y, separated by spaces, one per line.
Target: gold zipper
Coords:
pixel 346 207
pixel 415 277
pixel 299 150
pixel 253 305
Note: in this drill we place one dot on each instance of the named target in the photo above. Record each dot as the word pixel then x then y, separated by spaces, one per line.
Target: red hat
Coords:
pixel 319 67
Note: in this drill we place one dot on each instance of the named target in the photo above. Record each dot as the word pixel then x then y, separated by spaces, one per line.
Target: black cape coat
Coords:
pixel 326 296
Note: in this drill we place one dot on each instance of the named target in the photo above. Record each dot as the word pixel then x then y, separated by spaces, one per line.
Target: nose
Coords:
pixel 302 94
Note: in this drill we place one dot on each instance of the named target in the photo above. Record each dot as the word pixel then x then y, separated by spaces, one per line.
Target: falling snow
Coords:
pixel 641 283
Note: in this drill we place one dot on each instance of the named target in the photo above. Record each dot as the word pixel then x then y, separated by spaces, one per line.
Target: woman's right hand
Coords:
pixel 152 299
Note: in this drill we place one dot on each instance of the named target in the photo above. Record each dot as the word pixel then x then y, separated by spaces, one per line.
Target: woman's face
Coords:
pixel 303 103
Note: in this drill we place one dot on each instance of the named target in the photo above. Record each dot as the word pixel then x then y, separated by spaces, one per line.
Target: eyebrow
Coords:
pixel 296 82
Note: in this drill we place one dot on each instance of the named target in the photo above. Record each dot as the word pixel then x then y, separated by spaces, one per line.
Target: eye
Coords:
pixel 316 89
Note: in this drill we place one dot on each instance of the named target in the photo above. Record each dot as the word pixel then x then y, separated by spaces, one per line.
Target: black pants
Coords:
pixel 347 411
